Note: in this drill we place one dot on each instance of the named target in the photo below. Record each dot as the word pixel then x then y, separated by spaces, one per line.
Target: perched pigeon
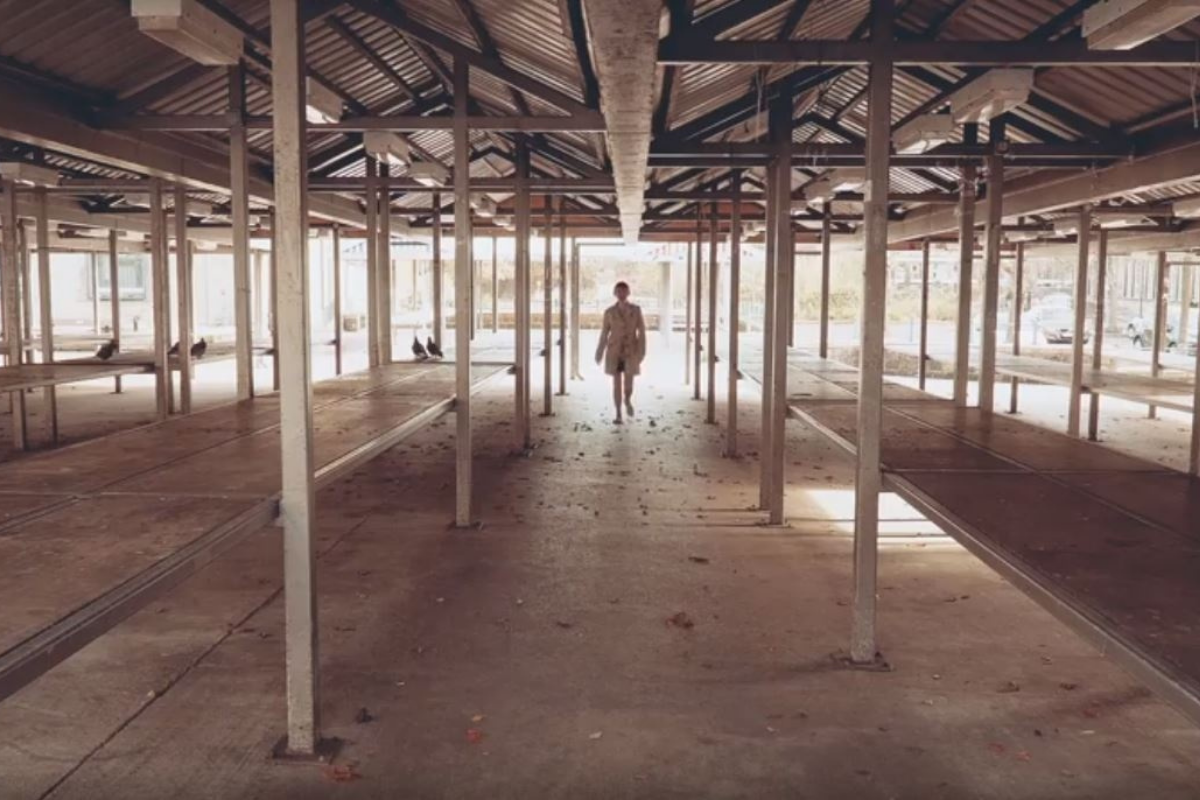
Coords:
pixel 174 351
pixel 419 351
pixel 433 348
pixel 199 348
pixel 106 351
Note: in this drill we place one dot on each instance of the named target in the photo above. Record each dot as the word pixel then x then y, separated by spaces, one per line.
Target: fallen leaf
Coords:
pixel 596 735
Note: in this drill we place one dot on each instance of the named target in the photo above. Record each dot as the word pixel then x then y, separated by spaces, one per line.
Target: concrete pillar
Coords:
pixel 297 506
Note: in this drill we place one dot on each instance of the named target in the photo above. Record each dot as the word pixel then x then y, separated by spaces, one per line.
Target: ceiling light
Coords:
pixel 924 133
pixel 189 28
pixel 1124 24
pixel 818 192
pixel 429 174
pixel 485 207
pixel 1121 220
pixel 28 174
pixel 998 91
pixel 848 179
pixel 387 148
pixel 1188 208
pixel 1066 227
pixel 321 104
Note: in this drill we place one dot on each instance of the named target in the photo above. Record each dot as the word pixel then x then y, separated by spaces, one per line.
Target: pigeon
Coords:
pixel 433 348
pixel 199 348
pixel 174 351
pixel 419 351
pixel 106 351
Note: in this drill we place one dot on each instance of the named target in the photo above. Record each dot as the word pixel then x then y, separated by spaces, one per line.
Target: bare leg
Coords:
pixel 617 396
pixel 629 393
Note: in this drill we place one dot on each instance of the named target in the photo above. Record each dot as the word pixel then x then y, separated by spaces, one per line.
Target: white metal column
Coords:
pixel 764 482
pixel 575 297
pixel 183 297
pixel 732 356
pixel 383 266
pixel 966 261
pixel 688 341
pixel 522 334
pixel 1162 275
pixel 711 361
pixel 1081 296
pixel 923 336
pixel 239 199
pixel 991 273
pixel 495 287
pixel 1018 308
pixel 562 301
pixel 826 254
pixel 337 300
pixel 1098 332
pixel 698 315
pixel 114 297
pixel 439 282
pixel 463 276
pixel 780 124
pixel 371 246
pixel 868 477
pixel 160 301
pixel 297 506
pixel 547 306
pixel 9 287
pixel 46 311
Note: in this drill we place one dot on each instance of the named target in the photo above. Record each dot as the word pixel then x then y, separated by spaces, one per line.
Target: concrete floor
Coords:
pixel 537 657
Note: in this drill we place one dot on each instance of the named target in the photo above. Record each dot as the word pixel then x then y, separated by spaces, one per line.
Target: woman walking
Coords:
pixel 622 347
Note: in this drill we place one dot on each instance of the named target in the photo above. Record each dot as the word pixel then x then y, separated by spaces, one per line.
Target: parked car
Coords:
pixel 1140 331
pixel 1057 325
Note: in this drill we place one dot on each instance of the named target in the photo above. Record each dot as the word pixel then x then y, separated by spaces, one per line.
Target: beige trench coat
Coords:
pixel 623 338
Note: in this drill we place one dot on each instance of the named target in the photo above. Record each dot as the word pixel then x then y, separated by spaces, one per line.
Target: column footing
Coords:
pixel 326 751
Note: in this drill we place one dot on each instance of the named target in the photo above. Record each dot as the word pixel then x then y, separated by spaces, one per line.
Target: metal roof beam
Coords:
pixel 986 53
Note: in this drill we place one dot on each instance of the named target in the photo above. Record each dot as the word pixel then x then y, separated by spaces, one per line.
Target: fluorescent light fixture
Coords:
pixel 1124 24
pixel 924 133
pixel 1066 227
pixel 387 148
pixel 189 28
pixel 196 208
pixel 429 173
pixel 28 174
pixel 1187 208
pixel 485 207
pixel 1111 221
pixel 502 221
pixel 819 191
pixel 848 179
pixel 321 104
pixel 993 94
